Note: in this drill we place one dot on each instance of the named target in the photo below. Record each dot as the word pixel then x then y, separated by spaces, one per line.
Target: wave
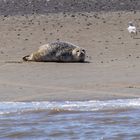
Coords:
pixel 72 106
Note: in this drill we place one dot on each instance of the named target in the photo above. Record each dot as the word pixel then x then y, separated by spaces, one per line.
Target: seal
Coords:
pixel 57 52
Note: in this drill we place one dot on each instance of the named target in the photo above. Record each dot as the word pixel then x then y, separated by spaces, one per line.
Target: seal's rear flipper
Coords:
pixel 26 58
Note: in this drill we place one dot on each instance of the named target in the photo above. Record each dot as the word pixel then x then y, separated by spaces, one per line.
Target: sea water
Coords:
pixel 70 120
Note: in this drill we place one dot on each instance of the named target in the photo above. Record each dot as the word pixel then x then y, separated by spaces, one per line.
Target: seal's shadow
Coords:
pixel 70 62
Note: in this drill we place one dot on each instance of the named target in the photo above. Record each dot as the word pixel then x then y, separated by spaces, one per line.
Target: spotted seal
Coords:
pixel 57 52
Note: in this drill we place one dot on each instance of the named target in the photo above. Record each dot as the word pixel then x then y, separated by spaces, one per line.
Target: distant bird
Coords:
pixel 132 29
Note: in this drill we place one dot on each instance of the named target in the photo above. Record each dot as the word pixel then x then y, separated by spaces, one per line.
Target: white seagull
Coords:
pixel 132 29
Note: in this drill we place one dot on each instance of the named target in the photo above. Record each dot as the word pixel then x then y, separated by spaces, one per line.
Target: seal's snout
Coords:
pixel 25 58
pixel 82 54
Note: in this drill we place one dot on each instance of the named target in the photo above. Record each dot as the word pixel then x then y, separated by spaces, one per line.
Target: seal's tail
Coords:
pixel 25 58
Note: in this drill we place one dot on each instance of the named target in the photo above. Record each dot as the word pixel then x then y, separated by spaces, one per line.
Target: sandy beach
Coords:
pixel 113 57
pixel 90 100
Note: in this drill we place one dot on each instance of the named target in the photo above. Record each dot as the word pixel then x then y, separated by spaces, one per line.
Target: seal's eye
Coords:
pixel 78 51
pixel 83 51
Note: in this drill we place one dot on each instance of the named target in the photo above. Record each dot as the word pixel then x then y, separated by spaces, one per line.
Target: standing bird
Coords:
pixel 132 29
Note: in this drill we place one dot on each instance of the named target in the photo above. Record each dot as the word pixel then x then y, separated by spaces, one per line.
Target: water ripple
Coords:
pixel 55 106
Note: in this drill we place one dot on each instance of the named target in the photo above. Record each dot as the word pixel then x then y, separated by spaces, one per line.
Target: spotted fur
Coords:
pixel 57 52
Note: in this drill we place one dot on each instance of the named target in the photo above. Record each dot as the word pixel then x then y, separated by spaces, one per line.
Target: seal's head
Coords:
pixel 79 54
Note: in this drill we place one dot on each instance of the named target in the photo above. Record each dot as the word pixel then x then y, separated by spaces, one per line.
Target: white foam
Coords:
pixel 93 105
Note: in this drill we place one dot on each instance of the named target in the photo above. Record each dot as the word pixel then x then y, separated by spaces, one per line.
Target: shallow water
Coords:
pixel 98 120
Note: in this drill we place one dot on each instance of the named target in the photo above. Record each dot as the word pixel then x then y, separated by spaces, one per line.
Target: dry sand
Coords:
pixel 114 57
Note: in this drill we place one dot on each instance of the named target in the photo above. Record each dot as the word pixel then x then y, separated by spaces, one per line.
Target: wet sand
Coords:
pixel 111 70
